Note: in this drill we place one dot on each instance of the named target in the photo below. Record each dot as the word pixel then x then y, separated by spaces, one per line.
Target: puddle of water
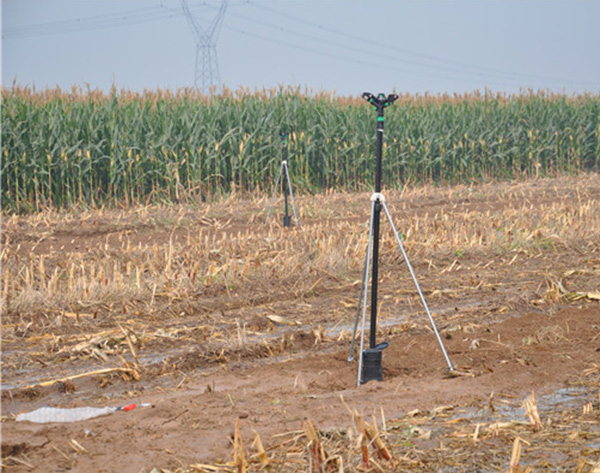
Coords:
pixel 566 397
pixel 25 378
pixel 391 320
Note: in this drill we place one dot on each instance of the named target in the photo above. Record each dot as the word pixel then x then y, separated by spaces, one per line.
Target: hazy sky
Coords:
pixel 347 46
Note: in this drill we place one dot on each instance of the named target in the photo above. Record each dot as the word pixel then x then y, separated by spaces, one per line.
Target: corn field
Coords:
pixel 88 148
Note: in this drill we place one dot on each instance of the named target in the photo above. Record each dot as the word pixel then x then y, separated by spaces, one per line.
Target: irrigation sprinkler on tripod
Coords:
pixel 369 364
pixel 287 189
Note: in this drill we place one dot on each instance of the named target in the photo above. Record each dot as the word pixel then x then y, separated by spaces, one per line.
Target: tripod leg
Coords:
pixel 363 284
pixel 274 191
pixel 387 212
pixel 365 294
pixel 287 174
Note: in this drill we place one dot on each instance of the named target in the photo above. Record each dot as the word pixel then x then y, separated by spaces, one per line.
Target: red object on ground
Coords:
pixel 130 407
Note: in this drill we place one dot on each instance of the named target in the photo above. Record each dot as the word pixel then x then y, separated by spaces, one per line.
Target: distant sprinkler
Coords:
pixel 286 183
pixel 207 66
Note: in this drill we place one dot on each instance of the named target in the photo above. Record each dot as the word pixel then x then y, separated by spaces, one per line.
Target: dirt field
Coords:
pixel 203 316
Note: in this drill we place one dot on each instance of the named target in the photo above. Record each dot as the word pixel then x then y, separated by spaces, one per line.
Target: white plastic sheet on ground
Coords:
pixel 45 415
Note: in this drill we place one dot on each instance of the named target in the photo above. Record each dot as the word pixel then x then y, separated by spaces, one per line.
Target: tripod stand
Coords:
pixel 287 219
pixel 369 365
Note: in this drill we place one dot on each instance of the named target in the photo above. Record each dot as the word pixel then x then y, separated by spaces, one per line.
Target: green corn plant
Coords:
pixel 88 148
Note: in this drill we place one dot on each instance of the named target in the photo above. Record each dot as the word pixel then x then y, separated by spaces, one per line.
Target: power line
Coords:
pixel 100 22
pixel 457 65
pixel 386 65
pixel 353 60
pixel 391 62
pixel 97 22
pixel 426 65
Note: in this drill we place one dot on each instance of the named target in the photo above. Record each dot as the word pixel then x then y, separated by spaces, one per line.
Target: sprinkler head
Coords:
pixel 381 101
pixel 283 136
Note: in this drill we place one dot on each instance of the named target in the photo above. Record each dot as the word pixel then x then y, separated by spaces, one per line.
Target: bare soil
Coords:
pixel 514 321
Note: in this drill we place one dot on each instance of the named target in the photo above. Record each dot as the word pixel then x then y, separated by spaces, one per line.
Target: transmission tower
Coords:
pixel 207 66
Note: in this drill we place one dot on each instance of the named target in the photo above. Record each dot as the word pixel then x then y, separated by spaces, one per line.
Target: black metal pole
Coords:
pixel 371 368
pixel 376 221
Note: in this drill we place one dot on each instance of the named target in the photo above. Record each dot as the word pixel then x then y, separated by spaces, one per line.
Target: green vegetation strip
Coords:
pixel 62 149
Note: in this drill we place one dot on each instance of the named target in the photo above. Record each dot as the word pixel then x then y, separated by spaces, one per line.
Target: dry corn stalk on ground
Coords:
pixel 201 305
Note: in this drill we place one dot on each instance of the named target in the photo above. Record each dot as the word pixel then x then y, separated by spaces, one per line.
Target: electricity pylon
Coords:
pixel 207 66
